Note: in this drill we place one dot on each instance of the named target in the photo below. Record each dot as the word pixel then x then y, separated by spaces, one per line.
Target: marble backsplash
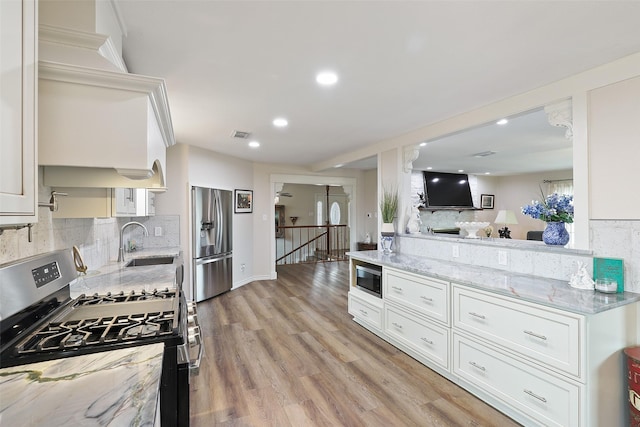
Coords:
pixel 97 238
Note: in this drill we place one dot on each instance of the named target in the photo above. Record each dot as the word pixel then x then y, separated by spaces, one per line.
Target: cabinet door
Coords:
pixel 18 171
pixel 124 202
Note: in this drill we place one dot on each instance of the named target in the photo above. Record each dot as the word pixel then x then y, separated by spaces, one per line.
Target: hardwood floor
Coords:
pixel 287 353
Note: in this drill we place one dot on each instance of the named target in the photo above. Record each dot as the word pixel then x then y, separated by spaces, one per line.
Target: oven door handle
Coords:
pixel 195 339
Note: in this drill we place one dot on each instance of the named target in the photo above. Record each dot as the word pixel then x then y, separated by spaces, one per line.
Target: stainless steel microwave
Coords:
pixel 369 279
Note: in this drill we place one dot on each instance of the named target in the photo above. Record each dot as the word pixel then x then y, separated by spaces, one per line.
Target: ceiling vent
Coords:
pixel 484 154
pixel 240 134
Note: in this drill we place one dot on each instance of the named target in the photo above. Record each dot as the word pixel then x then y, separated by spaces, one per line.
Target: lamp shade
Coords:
pixel 506 217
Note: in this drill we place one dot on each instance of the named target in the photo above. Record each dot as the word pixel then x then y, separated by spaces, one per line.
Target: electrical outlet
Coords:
pixel 455 251
pixel 502 258
pixel 242 267
pixel 157 231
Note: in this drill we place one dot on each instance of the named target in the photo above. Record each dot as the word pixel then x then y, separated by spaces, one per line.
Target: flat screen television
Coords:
pixel 447 190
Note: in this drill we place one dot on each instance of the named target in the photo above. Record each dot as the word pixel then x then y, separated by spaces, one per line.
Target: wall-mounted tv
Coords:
pixel 447 190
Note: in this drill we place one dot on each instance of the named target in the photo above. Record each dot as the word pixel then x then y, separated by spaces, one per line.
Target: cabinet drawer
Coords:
pixel 365 311
pixel 428 296
pixel 549 400
pixel 425 337
pixel 538 334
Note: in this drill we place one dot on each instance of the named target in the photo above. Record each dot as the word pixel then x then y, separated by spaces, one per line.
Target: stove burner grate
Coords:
pixel 73 334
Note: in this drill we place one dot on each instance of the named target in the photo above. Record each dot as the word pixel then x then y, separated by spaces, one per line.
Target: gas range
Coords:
pixel 39 321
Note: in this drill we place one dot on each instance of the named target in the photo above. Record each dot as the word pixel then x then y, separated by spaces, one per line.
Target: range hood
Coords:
pixel 98 125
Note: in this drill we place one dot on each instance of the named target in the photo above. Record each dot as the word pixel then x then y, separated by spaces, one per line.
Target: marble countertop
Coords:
pixel 113 388
pixel 549 292
pixel 115 277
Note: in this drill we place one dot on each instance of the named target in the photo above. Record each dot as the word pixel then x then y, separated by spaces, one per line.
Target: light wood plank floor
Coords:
pixel 286 353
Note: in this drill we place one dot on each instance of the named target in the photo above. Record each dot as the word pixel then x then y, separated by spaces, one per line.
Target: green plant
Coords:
pixel 389 205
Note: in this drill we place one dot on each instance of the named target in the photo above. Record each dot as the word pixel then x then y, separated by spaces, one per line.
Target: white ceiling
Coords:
pixel 236 65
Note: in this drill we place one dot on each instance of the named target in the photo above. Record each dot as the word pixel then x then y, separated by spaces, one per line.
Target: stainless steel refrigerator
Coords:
pixel 212 215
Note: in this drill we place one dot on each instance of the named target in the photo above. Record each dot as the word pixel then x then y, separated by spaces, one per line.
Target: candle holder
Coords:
pixel 293 219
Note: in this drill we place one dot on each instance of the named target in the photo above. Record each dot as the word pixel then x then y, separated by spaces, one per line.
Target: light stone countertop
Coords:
pixel 115 277
pixel 549 292
pixel 112 388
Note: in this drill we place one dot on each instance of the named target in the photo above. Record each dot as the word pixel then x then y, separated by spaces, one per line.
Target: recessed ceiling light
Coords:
pixel 502 122
pixel 487 173
pixel 339 165
pixel 280 122
pixel 460 170
pixel 327 78
pixel 254 144
pixel 422 144
pixel 429 168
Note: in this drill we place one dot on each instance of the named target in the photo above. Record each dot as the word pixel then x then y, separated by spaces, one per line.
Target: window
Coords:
pixel 334 215
pixel 319 220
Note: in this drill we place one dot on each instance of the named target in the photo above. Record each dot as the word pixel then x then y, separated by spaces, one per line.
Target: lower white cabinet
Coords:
pixel 537 364
pixel 365 309
pixel 544 398
pixel 427 338
pixel 540 334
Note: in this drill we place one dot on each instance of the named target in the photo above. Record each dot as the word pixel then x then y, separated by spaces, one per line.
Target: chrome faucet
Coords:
pixel 121 245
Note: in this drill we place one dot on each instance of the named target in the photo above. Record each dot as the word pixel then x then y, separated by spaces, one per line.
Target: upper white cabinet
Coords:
pixel 18 91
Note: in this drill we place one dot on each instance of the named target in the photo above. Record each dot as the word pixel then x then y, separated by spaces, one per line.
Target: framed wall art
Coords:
pixel 243 201
pixel 486 201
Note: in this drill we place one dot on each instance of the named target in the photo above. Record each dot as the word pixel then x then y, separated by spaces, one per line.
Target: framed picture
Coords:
pixel 279 221
pixel 244 201
pixel 486 201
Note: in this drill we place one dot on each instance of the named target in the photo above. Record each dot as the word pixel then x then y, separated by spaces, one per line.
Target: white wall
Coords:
pixel 368 215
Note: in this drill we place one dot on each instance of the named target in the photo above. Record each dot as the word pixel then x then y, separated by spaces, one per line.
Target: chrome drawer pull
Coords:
pixel 532 394
pixel 364 312
pixel 475 365
pixel 533 334
pixel 427 341
pixel 427 298
pixel 397 325
pixel 395 288
pixel 479 316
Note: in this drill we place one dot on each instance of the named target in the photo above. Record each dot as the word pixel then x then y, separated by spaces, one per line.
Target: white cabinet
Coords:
pixel 541 397
pixel 428 339
pixel 425 295
pixel 18 91
pixel 366 310
pixel 540 334
pixel 124 202
pixel 538 364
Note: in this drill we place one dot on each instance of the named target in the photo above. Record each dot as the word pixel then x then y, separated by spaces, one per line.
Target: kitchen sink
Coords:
pixel 156 260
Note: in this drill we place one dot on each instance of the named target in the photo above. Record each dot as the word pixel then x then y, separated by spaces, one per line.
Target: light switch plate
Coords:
pixel 157 231
pixel 455 251
pixel 502 258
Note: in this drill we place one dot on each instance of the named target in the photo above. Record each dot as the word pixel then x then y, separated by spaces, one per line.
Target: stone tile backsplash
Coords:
pixel 97 238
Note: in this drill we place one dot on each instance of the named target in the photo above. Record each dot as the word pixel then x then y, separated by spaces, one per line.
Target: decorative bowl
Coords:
pixel 472 228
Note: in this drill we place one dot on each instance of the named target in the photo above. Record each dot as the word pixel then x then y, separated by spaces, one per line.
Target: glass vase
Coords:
pixel 555 234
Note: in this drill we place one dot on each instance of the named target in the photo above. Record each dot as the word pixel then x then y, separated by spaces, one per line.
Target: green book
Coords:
pixel 612 268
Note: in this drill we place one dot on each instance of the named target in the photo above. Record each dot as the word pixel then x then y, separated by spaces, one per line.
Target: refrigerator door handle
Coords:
pixel 203 261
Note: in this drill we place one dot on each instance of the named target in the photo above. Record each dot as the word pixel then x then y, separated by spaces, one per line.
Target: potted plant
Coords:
pixel 555 210
pixel 388 210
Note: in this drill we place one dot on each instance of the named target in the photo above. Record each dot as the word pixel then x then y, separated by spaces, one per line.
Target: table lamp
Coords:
pixel 505 217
